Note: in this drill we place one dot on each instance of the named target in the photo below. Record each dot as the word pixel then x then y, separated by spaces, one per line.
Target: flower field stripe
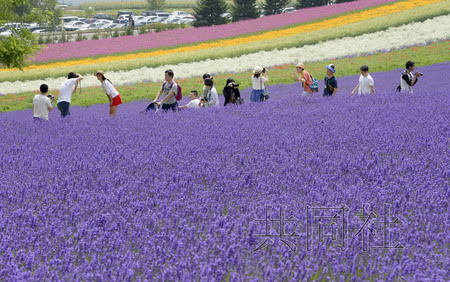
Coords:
pixel 82 49
pixel 373 25
pixel 340 21
pixel 407 35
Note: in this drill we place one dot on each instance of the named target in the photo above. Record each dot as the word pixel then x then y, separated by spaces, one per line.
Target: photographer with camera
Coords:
pixel 231 93
pixel 42 103
pixel 212 98
pixel 259 84
pixel 66 92
pixel 408 80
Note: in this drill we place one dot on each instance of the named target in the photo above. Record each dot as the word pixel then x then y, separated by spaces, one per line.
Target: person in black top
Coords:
pixel 331 86
pixel 231 92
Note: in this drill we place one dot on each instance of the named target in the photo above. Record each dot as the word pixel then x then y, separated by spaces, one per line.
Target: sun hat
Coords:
pixel 99 72
pixel 332 68
pixel 300 65
pixel 257 70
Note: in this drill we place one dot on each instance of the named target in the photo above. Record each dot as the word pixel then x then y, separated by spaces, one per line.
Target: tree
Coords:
pixel 156 4
pixel 244 10
pixel 16 49
pixel 208 12
pixel 310 3
pixel 275 6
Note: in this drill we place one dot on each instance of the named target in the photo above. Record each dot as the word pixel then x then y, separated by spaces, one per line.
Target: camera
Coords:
pixel 234 84
pixel 51 97
pixel 264 70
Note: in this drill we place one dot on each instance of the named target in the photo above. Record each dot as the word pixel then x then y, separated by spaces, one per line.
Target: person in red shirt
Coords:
pixel 305 79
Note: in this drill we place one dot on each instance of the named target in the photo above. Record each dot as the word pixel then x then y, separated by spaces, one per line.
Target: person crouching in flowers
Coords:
pixel 258 84
pixel 113 96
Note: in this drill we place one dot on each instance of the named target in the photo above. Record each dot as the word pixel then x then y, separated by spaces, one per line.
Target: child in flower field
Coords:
pixel 258 84
pixel 331 86
pixel 305 79
pixel 66 92
pixel 42 104
pixel 366 84
pixel 113 95
pixel 194 103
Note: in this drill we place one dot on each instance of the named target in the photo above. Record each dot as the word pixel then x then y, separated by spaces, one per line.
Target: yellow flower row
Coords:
pixel 339 21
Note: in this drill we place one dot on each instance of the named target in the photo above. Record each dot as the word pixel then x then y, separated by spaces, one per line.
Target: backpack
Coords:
pixel 315 84
pixel 179 94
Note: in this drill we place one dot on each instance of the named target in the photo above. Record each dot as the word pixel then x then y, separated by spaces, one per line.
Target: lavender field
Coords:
pixel 182 196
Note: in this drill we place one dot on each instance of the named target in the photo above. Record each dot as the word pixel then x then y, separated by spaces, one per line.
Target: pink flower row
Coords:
pixel 83 49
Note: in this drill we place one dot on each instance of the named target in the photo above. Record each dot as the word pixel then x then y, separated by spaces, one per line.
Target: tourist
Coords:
pixel 205 90
pixel 231 93
pixel 408 80
pixel 331 85
pixel 259 84
pixel 194 103
pixel 366 84
pixel 305 79
pixel 68 88
pixel 42 104
pixel 212 98
pixel 113 95
pixel 170 90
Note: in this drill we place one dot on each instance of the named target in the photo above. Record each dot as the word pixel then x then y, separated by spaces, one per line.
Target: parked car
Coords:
pixel 102 16
pixel 92 26
pixel 289 10
pixel 163 14
pixel 160 19
pixel 179 14
pixel 72 26
pixel 120 13
pixel 68 19
pixel 149 13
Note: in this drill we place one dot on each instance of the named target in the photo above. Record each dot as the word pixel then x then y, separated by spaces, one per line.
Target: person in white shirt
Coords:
pixel 212 98
pixel 408 80
pixel 113 95
pixel 194 103
pixel 366 84
pixel 42 104
pixel 66 92
pixel 258 84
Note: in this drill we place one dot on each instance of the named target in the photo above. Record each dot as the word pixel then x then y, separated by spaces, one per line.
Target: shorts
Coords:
pixel 116 101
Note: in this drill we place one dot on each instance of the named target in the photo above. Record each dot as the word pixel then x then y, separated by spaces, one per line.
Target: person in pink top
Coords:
pixel 305 79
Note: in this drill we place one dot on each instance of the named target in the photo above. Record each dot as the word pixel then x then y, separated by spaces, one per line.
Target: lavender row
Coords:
pixel 177 196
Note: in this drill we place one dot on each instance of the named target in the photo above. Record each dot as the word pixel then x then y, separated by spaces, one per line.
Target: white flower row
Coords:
pixel 395 37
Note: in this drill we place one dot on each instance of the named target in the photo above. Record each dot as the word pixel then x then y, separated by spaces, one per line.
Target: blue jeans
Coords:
pixel 257 95
pixel 166 107
pixel 63 107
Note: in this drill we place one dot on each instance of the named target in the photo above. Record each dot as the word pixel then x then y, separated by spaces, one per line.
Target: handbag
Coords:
pixel 266 93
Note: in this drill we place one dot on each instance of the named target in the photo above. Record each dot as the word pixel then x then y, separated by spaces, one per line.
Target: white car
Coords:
pixel 289 10
pixel 92 26
pixel 72 26
pixel 179 14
